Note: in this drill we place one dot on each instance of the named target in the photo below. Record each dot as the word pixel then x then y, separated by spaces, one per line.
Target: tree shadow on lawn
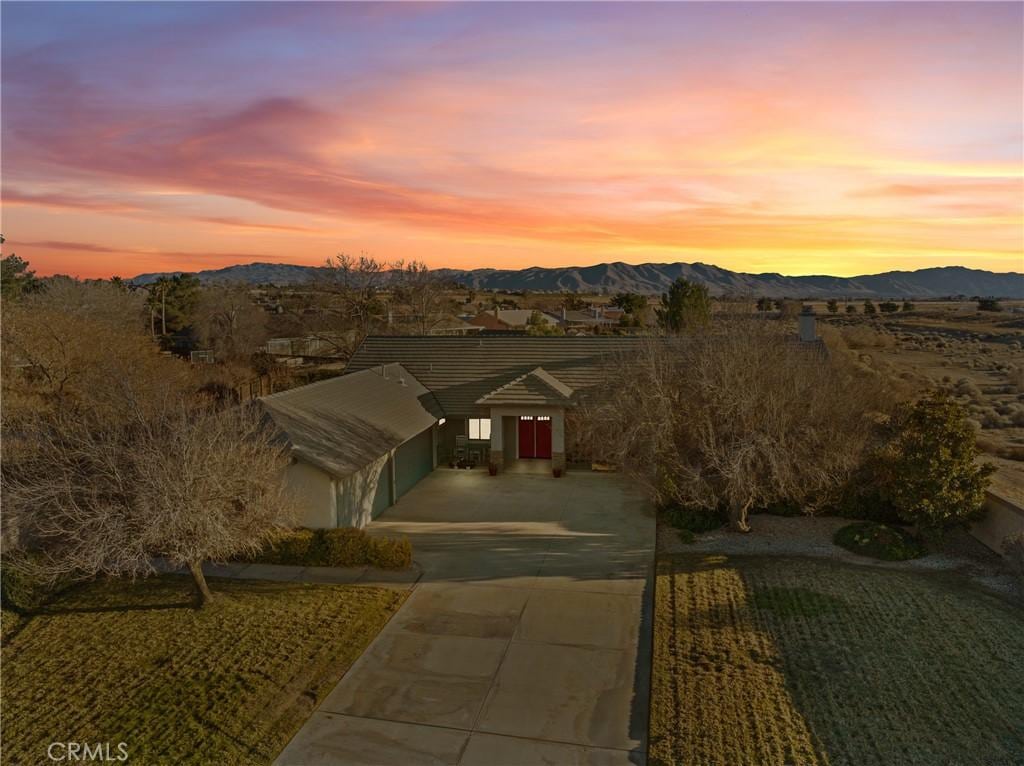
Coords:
pixel 164 592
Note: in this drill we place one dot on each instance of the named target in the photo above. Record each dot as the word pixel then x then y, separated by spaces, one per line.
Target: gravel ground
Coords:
pixel 812 536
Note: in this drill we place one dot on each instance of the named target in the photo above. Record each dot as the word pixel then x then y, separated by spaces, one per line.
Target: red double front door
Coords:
pixel 534 437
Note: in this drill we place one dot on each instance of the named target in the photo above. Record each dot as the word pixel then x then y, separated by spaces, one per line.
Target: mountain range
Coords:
pixel 653 278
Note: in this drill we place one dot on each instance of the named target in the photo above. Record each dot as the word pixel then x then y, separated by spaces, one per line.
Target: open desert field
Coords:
pixel 978 356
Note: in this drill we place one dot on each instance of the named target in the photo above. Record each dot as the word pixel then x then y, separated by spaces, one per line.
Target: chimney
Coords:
pixel 806 322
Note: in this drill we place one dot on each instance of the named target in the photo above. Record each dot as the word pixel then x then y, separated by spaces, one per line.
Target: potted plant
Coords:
pixel 557 473
pixel 492 469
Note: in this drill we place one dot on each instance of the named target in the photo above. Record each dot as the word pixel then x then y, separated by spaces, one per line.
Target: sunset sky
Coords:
pixel 799 137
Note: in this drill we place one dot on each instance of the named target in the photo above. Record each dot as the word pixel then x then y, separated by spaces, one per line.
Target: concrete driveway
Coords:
pixel 526 640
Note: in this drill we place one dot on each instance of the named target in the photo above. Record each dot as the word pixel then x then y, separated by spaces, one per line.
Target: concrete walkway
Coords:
pixel 525 641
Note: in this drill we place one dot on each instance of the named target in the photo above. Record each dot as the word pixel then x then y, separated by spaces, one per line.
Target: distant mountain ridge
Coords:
pixel 654 278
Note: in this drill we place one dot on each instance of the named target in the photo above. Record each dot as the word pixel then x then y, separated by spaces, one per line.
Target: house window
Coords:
pixel 543 417
pixel 480 428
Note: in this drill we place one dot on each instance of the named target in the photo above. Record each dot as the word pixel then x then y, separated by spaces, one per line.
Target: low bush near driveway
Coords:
pixel 879 541
pixel 337 548
pixel 781 660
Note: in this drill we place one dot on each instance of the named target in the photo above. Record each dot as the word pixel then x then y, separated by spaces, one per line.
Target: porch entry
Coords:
pixel 535 436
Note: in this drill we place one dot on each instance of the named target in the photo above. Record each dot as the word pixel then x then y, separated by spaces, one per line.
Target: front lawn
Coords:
pixel 121 662
pixel 797 661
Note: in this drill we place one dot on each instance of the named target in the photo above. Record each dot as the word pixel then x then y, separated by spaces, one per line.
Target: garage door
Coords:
pixel 382 497
pixel 413 461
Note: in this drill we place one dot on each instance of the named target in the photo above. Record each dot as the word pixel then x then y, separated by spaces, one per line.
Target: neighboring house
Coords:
pixel 359 442
pixel 454 326
pixel 322 346
pixel 591 318
pixel 511 319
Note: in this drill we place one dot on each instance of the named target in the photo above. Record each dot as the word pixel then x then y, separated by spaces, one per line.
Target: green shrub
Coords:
pixel 879 541
pixel 390 553
pixel 695 520
pixel 928 469
pixel 299 547
pixel 861 499
pixel 337 548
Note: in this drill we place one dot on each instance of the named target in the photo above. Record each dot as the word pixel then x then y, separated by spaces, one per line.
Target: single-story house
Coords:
pixel 408 403
pixel 502 398
pixel 589 318
pixel 453 326
pixel 511 319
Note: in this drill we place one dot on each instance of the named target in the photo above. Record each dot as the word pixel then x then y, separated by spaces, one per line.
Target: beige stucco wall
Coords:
pixel 325 502
pixel 312 490
pixel 1002 519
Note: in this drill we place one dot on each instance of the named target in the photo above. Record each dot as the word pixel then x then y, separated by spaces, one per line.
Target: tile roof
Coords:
pixel 535 387
pixel 343 424
pixel 459 371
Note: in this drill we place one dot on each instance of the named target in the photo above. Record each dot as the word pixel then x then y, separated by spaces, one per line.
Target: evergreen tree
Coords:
pixel 686 305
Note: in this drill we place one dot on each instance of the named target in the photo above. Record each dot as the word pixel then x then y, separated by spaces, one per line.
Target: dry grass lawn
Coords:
pixel 116 661
pixel 797 661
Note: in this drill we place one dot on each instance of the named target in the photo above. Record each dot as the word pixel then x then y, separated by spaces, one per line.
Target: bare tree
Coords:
pixel 109 458
pixel 230 323
pixel 350 299
pixel 736 417
pixel 359 286
pixel 423 293
pixel 95 496
pixel 79 346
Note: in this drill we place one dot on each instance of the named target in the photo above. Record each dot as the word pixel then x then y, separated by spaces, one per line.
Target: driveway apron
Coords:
pixel 526 640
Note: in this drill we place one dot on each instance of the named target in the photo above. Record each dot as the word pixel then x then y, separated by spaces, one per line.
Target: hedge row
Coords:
pixel 337 548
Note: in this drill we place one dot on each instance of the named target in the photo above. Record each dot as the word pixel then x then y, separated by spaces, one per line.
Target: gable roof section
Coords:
pixel 459 371
pixel 535 387
pixel 345 423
